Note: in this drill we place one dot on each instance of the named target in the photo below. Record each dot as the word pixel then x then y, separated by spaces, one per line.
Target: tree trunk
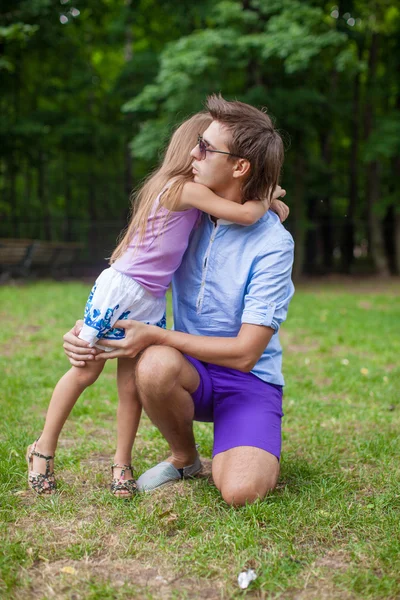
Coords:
pixel 326 226
pixel 67 233
pixel 29 229
pixel 396 226
pixel 397 243
pixel 92 210
pixel 311 239
pixel 395 218
pixel 42 195
pixel 299 233
pixel 377 244
pixel 375 234
pixel 393 214
pixel 12 171
pixel 347 246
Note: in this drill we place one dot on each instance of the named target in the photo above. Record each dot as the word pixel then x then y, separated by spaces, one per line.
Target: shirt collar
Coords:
pixel 220 221
pixel 268 215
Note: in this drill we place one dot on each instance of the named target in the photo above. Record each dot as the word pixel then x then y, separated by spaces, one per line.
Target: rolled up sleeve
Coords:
pixel 270 286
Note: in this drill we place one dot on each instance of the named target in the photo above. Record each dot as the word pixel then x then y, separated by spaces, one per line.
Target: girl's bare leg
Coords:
pixel 128 417
pixel 64 398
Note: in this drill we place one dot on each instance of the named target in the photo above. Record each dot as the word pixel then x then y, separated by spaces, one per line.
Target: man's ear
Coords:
pixel 242 168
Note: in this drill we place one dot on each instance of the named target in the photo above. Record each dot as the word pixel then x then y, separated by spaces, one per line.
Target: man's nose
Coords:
pixel 195 152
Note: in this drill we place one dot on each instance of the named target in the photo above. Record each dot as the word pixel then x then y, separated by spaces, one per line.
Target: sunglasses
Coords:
pixel 204 149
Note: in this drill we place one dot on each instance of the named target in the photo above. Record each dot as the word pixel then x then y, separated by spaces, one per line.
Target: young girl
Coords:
pixel 134 287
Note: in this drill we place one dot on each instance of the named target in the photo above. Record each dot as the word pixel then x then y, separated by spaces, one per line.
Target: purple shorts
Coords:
pixel 245 410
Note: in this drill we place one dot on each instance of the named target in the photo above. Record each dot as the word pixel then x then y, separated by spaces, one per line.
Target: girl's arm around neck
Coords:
pixel 196 195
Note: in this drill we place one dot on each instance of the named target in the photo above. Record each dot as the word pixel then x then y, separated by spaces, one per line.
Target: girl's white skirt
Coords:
pixel 116 296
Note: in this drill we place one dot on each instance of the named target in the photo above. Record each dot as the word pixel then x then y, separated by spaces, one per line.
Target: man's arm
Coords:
pixel 241 352
pixel 265 308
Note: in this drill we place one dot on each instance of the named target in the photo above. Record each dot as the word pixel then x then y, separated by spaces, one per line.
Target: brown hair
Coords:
pixel 176 168
pixel 254 137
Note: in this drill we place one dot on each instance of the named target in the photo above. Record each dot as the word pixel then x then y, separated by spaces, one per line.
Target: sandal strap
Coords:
pixel 128 485
pixel 121 484
pixel 122 467
pixel 34 452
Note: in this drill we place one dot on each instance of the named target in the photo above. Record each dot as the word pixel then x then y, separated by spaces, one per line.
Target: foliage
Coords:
pixel 93 90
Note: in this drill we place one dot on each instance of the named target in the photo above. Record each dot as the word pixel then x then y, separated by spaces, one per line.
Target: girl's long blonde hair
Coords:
pixel 176 167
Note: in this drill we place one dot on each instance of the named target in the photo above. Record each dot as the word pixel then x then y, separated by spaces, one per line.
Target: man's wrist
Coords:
pixel 162 336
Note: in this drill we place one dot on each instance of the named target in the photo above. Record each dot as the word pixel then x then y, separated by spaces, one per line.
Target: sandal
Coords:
pixel 121 484
pixel 41 483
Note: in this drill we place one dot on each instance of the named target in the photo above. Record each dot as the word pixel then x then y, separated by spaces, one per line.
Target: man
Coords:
pixel 222 363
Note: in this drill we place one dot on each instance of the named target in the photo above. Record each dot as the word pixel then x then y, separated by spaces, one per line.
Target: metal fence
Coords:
pixel 99 239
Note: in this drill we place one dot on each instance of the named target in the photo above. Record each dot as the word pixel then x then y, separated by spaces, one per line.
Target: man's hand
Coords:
pixel 77 350
pixel 138 336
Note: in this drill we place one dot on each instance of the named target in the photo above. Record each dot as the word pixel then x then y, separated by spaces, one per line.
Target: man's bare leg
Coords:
pixel 165 381
pixel 244 474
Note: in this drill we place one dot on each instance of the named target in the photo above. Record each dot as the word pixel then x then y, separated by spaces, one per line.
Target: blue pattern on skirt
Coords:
pixel 101 324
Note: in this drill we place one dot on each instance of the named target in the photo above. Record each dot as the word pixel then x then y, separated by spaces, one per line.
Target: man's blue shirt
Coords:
pixel 231 274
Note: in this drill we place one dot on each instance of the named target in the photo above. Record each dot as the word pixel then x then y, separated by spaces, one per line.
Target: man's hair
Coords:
pixel 254 137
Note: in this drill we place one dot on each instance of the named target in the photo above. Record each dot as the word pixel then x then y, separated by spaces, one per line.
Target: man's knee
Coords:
pixel 237 493
pixel 245 473
pixel 158 369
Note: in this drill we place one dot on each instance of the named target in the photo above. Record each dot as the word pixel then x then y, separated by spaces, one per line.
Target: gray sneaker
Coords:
pixel 165 473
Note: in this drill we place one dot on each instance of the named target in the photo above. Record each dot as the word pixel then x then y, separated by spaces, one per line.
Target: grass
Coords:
pixel 330 530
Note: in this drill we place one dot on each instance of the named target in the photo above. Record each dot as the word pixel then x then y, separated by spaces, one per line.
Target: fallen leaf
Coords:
pixel 172 518
pixel 165 513
pixel 69 570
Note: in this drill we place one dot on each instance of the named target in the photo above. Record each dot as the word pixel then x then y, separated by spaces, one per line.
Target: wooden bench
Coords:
pixel 23 257
pixel 54 256
pixel 15 257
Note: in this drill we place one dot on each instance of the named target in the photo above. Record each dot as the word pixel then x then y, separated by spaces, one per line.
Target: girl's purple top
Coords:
pixel 153 263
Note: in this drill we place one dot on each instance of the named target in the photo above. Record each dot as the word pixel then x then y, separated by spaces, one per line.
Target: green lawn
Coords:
pixel 330 530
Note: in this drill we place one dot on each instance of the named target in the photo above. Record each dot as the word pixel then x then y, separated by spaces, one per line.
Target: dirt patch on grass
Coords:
pixel 122 578
pixel 19 343
pixel 334 561
pixel 291 346
pixel 324 590
pixel 319 581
